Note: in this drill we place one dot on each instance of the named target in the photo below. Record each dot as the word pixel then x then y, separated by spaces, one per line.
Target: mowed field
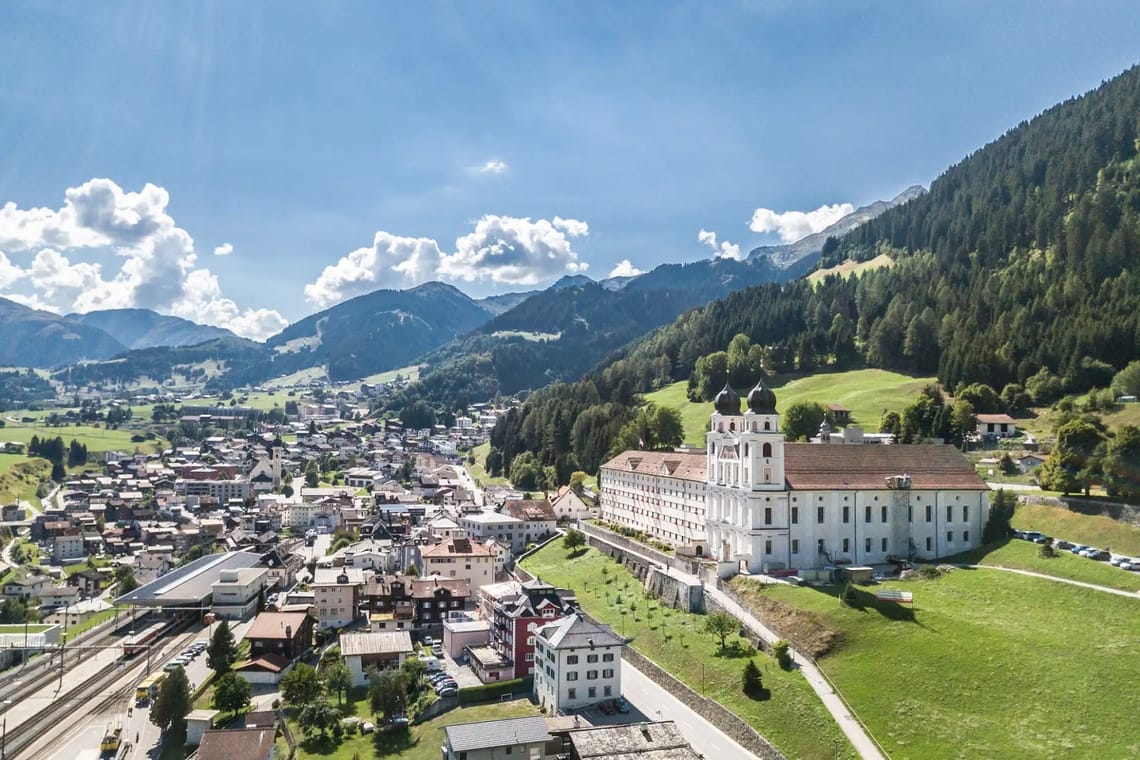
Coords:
pixel 866 392
pixel 95 438
pixel 792 717
pixel 992 665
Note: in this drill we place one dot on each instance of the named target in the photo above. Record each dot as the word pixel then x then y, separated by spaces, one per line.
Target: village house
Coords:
pixel 577 663
pixel 459 558
pixel 381 650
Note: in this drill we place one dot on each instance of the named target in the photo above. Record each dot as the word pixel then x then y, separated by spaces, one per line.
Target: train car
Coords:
pixel 147 689
pixel 144 638
pixel 112 739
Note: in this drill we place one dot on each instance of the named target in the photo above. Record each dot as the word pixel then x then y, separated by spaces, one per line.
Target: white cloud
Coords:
pixel 624 268
pixel 9 272
pixel 493 166
pixel 98 225
pixel 515 251
pixel 502 249
pixel 391 262
pixel 793 225
pixel 225 249
pixel 723 249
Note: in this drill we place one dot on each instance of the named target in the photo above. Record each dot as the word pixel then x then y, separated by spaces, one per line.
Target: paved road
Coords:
pixel 1082 584
pixel 657 704
pixel 850 726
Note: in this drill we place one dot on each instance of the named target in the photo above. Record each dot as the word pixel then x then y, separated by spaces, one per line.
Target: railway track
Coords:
pixel 29 680
pixel 113 685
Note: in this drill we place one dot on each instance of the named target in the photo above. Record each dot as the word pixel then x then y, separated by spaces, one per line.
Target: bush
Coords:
pixel 780 651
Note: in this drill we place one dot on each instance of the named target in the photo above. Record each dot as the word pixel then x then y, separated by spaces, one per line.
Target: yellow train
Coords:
pixel 112 739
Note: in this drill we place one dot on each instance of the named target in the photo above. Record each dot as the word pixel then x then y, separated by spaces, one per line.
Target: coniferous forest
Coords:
pixel 1020 266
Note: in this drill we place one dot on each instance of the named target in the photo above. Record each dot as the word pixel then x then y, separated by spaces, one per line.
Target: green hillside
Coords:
pixel 866 392
pixel 992 665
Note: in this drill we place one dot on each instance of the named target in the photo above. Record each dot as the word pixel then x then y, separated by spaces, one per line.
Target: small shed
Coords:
pixel 199 722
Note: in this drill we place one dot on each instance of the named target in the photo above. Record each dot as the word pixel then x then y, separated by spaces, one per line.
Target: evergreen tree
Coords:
pixel 173 702
pixel 222 651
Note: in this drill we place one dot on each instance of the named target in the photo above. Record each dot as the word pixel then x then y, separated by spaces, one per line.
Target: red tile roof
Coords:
pixel 813 466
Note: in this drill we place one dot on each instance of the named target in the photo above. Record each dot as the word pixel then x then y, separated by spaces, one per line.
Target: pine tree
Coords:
pixel 222 651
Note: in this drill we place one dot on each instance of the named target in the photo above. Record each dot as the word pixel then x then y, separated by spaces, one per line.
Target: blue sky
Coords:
pixel 335 148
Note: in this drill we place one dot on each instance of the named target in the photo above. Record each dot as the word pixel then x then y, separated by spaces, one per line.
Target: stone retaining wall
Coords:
pixel 740 732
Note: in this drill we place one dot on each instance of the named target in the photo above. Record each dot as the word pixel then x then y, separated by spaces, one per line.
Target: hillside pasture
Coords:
pixel 866 392
pixel 992 664
pixel 791 717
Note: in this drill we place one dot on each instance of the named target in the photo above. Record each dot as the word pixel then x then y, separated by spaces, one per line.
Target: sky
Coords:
pixel 247 164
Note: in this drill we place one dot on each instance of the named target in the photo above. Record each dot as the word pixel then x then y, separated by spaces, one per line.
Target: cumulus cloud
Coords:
pixel 9 272
pixel 793 225
pixel 225 249
pixel 722 249
pixel 503 249
pixel 390 262
pixel 75 252
pixel 625 268
pixel 493 166
pixel 515 251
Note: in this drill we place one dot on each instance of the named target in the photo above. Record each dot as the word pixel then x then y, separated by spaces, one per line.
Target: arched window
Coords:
pixel 767 425
pixel 767 450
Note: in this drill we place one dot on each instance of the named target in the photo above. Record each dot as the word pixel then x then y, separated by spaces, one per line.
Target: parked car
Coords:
pixel 1118 559
pixel 607 707
pixel 621 705
pixel 1062 544
pixel 1077 548
pixel 450 691
pixel 367 727
pixel 1086 551
pixel 1134 566
pixel 1100 555
pixel 428 641
pixel 437 650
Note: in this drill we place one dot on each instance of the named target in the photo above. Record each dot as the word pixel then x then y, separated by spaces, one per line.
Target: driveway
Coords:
pixel 652 702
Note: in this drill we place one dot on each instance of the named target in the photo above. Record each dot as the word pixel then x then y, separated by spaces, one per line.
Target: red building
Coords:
pixel 515 610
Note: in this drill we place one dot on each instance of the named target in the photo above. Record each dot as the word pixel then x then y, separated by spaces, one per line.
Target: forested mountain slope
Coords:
pixel 1021 262
pixel 143 328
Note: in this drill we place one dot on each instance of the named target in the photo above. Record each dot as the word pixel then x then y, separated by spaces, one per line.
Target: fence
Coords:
pixel 636 547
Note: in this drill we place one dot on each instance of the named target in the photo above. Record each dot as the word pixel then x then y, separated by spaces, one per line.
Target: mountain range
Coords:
pixel 506 342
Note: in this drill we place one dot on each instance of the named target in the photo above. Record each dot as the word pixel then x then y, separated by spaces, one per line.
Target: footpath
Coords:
pixel 852 729
pixel 1071 582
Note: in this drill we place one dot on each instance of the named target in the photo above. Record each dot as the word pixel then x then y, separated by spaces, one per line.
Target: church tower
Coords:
pixel 761 442
pixel 746 504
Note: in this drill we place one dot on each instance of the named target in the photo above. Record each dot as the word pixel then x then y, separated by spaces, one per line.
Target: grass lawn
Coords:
pixel 95 438
pixel 419 742
pixel 479 471
pixel 793 719
pixel 994 665
pixel 19 628
pixel 866 392
pixel 1025 555
pixel 20 476
pixel 1095 530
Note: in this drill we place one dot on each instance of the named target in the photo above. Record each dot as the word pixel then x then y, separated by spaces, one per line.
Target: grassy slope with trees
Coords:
pixel 1040 224
pixel 993 665
pixel 791 716
pixel 867 393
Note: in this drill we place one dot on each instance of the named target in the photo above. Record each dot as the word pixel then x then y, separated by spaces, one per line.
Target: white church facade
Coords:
pixel 753 498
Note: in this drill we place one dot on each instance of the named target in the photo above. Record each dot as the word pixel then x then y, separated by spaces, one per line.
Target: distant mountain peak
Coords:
pixel 804 251
pixel 571 281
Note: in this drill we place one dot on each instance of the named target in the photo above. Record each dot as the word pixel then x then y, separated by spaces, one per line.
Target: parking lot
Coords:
pixel 1124 562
